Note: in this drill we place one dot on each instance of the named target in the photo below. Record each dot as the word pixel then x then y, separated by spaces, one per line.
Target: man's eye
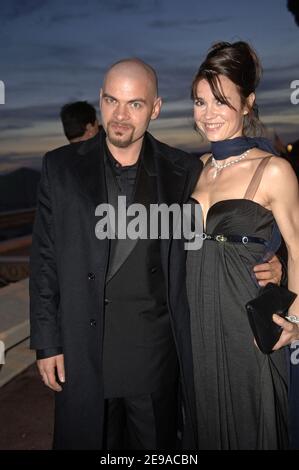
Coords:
pixel 136 105
pixel 109 100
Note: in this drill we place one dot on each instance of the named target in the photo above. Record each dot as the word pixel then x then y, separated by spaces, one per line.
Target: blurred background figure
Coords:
pixel 79 120
pixel 293 7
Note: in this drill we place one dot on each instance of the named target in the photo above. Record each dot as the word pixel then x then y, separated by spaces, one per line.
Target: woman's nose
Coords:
pixel 210 111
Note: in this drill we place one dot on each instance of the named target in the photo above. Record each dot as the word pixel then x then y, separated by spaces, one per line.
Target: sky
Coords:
pixel 54 51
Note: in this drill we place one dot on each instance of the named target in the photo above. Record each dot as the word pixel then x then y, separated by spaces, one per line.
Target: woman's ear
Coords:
pixel 249 103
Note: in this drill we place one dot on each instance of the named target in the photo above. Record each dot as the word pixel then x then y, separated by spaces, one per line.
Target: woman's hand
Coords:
pixel 290 332
pixel 268 272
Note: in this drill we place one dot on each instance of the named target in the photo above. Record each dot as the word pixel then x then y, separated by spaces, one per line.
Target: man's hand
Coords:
pixel 268 272
pixel 289 334
pixel 47 368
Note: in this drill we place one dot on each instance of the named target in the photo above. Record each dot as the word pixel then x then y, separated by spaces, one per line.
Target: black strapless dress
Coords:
pixel 241 394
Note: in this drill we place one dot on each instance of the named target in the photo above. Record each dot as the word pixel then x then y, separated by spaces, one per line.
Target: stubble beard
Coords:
pixel 117 138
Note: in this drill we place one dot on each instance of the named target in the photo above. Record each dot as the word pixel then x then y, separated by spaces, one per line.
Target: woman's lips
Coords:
pixel 213 127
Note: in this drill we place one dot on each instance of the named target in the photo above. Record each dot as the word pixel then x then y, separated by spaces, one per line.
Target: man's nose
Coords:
pixel 121 112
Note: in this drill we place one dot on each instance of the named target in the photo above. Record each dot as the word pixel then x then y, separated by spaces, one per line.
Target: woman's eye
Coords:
pixel 198 103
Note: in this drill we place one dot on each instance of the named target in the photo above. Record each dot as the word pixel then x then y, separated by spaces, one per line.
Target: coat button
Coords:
pixel 93 322
pixel 91 276
pixel 154 269
pixel 106 301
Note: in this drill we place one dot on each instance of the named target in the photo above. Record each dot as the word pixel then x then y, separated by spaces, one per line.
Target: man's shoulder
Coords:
pixel 176 155
pixel 62 154
pixel 69 154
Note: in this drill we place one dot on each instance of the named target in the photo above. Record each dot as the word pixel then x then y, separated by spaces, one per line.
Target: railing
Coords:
pixel 14 259
pixel 14 330
pixel 15 244
pixel 14 299
pixel 17 218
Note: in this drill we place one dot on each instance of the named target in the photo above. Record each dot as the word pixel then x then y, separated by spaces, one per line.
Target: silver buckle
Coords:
pixel 220 238
pixel 205 236
pixel 244 240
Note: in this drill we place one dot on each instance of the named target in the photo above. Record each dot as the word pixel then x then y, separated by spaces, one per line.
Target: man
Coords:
pixel 109 318
pixel 79 120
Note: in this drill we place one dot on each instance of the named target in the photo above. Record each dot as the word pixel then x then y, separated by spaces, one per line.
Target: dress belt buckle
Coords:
pixel 220 238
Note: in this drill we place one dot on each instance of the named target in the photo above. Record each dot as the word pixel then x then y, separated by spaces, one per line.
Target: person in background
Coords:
pixel 79 121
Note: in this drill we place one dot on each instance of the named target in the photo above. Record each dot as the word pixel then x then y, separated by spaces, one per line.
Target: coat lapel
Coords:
pixel 122 248
pixel 172 186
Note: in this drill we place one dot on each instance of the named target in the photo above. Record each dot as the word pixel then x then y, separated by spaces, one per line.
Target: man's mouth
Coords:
pixel 117 127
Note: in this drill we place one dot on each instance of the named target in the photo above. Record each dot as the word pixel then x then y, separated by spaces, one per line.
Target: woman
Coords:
pixel 241 393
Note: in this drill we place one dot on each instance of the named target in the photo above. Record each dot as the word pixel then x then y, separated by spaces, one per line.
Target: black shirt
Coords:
pixel 125 175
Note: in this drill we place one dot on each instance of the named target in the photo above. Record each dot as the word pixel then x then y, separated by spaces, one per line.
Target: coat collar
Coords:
pixel 89 169
pixel 171 177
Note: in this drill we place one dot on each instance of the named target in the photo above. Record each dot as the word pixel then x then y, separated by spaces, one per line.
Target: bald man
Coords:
pixel 109 317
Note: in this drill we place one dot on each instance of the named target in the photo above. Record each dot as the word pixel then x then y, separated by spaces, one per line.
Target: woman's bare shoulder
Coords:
pixel 279 175
pixel 279 165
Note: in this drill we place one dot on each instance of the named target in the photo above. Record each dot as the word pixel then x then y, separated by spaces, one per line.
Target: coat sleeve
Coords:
pixel 43 284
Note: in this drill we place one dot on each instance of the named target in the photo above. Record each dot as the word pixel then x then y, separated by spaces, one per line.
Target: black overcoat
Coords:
pixel 67 280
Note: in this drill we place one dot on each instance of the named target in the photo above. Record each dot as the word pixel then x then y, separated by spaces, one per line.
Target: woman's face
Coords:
pixel 217 120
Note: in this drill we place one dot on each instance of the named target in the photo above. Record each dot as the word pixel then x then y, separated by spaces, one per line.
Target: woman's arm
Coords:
pixel 282 192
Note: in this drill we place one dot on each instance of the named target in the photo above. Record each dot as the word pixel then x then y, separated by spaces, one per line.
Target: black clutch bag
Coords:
pixel 271 299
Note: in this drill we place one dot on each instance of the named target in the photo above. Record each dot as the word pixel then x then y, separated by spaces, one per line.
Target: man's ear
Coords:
pixel 249 103
pixel 156 108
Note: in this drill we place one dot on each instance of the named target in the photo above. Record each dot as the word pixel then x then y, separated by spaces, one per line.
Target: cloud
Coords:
pixel 185 23
pixel 24 118
pixel 19 8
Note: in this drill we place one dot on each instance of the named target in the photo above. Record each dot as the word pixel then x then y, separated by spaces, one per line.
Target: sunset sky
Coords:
pixel 54 51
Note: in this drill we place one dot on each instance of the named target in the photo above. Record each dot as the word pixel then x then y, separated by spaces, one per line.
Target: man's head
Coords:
pixel 129 101
pixel 79 121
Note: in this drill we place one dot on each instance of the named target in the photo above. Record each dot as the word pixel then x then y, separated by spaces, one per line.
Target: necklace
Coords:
pixel 219 167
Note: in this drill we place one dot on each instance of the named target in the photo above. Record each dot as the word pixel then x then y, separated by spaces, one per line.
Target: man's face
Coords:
pixel 127 105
